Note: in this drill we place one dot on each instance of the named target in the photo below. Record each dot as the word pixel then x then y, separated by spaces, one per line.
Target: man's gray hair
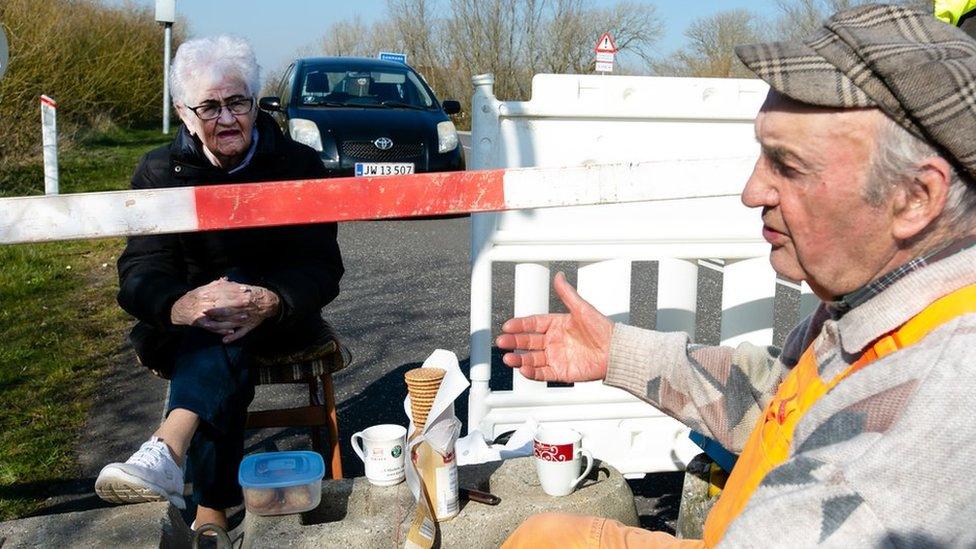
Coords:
pixel 212 59
pixel 893 164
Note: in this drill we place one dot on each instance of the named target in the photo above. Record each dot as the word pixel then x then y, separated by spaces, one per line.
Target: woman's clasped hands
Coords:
pixel 227 308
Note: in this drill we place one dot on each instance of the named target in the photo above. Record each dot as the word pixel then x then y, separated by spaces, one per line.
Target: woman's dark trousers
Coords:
pixel 213 381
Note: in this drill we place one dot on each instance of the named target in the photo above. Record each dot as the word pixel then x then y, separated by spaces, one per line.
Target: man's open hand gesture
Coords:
pixel 559 347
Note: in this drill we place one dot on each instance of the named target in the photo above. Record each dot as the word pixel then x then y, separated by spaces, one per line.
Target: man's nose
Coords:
pixel 758 193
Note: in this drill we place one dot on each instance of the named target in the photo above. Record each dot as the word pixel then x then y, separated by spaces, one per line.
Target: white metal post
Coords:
pixel 748 288
pixel 483 136
pixel 677 295
pixel 606 285
pixel 49 139
pixel 531 298
pixel 167 41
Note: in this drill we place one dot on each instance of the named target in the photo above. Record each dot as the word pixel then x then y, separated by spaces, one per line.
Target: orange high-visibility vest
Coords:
pixel 769 443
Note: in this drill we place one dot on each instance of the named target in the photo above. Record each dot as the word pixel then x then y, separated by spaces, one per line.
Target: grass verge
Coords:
pixel 60 328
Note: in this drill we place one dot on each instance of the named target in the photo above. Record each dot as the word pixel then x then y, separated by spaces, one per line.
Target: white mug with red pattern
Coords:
pixel 558 453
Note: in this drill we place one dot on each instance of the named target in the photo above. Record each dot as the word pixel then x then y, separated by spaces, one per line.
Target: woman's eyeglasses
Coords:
pixel 211 109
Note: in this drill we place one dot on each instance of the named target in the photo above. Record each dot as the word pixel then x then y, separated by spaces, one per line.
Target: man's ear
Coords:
pixel 920 201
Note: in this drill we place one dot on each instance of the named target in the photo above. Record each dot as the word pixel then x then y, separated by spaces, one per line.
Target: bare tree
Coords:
pixel 573 28
pixel 353 38
pixel 711 45
pixel 636 27
pixel 798 19
pixel 448 41
pixel 514 39
pixel 345 38
pixel 711 40
pixel 414 29
pixel 498 37
pixel 566 32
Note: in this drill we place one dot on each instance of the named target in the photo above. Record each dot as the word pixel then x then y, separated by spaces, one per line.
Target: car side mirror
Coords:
pixel 270 104
pixel 451 106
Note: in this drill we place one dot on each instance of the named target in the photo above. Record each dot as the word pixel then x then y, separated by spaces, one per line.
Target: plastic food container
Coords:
pixel 279 483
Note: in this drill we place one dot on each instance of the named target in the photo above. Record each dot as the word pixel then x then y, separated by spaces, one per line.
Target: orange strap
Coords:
pixel 770 441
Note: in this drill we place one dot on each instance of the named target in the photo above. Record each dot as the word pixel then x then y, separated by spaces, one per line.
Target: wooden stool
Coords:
pixel 309 366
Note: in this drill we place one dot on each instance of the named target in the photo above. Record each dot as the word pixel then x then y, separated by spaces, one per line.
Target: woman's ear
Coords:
pixel 187 117
pixel 920 201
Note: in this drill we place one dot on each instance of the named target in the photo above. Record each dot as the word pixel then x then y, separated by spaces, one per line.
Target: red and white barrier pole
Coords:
pixel 237 206
pixel 49 138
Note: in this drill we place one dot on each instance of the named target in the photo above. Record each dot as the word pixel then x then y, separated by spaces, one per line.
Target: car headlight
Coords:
pixel 447 139
pixel 305 131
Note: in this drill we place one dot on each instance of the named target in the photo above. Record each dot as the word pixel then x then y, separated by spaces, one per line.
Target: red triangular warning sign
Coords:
pixel 606 44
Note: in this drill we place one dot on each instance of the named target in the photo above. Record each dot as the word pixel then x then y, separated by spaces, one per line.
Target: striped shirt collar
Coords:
pixel 858 297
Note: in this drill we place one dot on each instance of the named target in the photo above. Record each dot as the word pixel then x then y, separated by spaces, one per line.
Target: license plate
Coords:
pixel 370 169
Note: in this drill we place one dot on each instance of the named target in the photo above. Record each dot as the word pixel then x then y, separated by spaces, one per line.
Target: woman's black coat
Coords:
pixel 301 263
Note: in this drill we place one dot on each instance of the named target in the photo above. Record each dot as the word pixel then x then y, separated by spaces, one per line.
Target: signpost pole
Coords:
pixel 4 52
pixel 49 139
pixel 167 41
pixel 166 14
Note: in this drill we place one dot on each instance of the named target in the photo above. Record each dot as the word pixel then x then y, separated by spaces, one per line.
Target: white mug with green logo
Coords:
pixel 381 449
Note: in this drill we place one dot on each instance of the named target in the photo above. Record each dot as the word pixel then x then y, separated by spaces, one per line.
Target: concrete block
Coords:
pixel 130 526
pixel 695 501
pixel 355 513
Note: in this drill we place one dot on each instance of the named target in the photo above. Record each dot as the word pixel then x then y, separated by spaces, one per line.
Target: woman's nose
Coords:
pixel 226 117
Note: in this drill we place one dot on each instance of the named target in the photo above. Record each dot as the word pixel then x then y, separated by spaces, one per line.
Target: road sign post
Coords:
pixel 4 52
pixel 166 14
pixel 605 50
pixel 49 139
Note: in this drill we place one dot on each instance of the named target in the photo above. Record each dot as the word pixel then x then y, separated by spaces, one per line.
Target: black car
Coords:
pixel 366 117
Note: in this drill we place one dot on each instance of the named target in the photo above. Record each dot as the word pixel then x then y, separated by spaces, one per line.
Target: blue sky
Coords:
pixel 279 29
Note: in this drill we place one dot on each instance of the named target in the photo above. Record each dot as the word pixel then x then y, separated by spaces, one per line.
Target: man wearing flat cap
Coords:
pixel 859 432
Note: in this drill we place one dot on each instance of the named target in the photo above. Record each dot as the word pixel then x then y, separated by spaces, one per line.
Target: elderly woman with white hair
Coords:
pixel 208 302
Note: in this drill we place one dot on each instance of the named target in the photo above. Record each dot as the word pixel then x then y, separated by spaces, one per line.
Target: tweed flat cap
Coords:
pixel 917 69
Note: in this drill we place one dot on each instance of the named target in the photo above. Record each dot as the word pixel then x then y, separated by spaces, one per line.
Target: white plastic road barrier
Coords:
pixel 187 209
pixel 578 120
pixel 49 137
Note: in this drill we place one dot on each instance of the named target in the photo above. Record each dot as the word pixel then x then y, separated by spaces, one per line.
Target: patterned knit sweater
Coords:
pixel 882 460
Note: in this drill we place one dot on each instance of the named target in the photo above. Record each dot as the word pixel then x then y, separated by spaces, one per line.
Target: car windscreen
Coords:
pixel 337 86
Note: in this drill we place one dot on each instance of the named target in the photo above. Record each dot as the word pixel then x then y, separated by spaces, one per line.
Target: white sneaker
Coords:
pixel 149 475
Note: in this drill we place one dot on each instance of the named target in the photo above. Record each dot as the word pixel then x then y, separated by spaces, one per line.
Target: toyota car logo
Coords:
pixel 383 143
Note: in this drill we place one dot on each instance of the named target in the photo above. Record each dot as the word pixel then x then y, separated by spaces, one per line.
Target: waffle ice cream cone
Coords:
pixel 436 489
pixel 422 384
